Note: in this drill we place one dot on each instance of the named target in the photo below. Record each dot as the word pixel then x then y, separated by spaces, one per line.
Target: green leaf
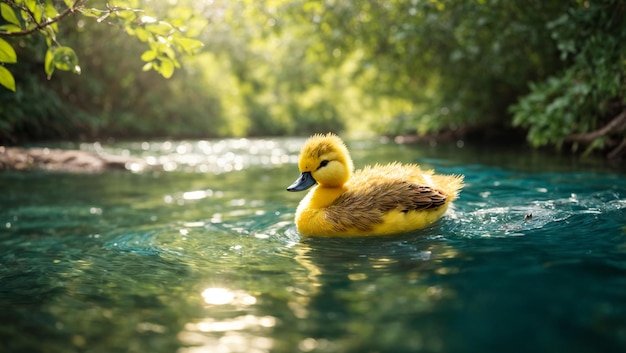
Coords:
pixel 10 28
pixel 127 15
pixel 120 3
pixel 161 28
pixel 7 79
pixel 8 14
pixel 166 68
pixel 50 11
pixel 49 63
pixel 165 49
pixel 38 13
pixel 31 5
pixel 95 13
pixel 188 45
pixel 148 55
pixel 65 59
pixel 62 58
pixel 142 34
pixel 7 53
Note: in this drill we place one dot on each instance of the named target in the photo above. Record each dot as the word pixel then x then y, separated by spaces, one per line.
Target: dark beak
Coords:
pixel 304 182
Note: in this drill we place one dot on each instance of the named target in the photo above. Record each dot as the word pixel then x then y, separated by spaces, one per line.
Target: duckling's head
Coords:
pixel 324 159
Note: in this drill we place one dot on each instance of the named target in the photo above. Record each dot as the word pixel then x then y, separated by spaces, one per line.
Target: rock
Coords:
pixel 15 158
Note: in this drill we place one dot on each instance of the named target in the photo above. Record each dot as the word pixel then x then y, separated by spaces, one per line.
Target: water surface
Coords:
pixel 196 251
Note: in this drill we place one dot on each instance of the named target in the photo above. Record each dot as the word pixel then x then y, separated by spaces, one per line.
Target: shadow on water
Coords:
pixel 201 259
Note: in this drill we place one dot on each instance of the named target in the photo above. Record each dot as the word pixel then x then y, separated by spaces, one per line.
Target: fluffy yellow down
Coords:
pixel 376 200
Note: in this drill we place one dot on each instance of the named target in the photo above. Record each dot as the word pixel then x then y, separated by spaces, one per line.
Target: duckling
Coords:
pixel 376 200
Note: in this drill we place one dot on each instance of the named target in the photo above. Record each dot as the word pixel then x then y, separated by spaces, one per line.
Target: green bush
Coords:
pixel 589 92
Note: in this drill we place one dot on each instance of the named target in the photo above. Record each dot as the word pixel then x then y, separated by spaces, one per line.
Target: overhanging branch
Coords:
pixel 618 151
pixel 618 123
pixel 41 25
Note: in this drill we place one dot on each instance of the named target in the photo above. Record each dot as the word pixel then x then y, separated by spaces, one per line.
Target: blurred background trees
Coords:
pixel 551 71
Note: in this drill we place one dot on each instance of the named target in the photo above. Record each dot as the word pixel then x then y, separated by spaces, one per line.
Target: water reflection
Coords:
pixel 222 296
pixel 230 342
pixel 230 334
pixel 355 284
pixel 216 156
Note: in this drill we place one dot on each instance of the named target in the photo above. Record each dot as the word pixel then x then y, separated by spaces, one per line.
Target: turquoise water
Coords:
pixel 196 251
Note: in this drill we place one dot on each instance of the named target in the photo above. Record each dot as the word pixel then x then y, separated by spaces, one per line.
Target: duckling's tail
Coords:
pixel 451 185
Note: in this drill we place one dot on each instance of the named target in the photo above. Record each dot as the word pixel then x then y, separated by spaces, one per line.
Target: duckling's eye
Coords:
pixel 323 164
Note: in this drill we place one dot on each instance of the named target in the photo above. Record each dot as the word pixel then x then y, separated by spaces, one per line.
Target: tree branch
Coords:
pixel 618 151
pixel 618 123
pixel 42 25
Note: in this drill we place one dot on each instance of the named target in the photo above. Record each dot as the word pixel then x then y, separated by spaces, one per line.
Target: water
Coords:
pixel 201 255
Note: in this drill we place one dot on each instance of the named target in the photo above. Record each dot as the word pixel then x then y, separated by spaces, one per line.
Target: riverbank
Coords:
pixel 50 159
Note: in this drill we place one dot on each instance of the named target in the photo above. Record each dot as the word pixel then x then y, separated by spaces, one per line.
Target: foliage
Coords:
pixel 121 95
pixel 590 91
pixel 165 39
pixel 458 63
pixel 50 118
pixel 271 67
pixel 88 109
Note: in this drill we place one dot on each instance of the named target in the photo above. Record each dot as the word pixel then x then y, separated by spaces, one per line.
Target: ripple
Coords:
pixel 143 243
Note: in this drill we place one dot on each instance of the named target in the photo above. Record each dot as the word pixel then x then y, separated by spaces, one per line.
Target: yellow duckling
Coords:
pixel 383 199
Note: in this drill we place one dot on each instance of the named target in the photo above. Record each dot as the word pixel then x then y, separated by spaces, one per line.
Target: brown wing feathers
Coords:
pixel 361 210
pixel 422 198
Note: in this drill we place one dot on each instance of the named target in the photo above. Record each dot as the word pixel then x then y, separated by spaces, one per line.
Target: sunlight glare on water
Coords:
pixel 232 333
pixel 203 156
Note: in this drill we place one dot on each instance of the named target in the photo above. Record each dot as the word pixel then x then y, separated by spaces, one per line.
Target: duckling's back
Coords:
pixel 396 173
pixel 391 199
